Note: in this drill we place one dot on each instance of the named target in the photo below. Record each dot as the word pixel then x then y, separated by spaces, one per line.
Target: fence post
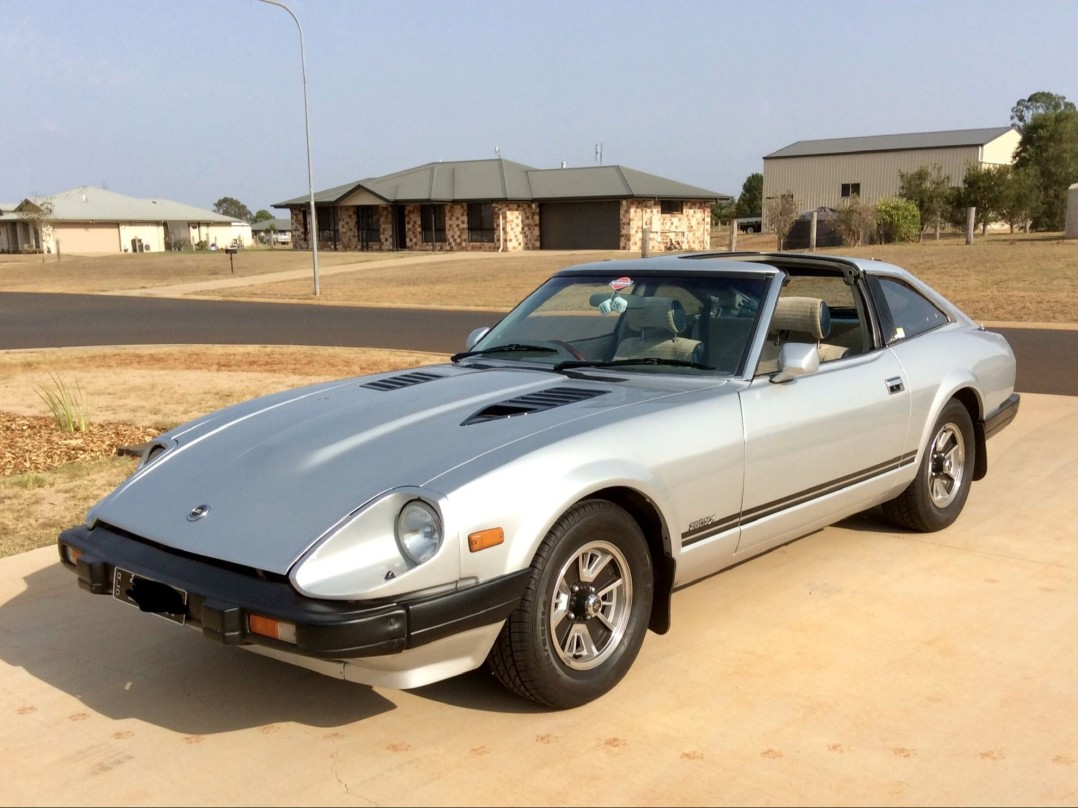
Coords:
pixel 812 231
pixel 733 235
pixel 971 217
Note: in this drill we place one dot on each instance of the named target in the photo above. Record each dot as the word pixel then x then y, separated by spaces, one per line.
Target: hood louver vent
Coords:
pixel 531 403
pixel 404 380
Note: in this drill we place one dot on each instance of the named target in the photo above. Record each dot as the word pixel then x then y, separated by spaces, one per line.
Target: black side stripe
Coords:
pixel 761 511
pixel 708 530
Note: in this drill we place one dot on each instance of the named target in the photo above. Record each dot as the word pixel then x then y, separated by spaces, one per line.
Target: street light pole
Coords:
pixel 312 222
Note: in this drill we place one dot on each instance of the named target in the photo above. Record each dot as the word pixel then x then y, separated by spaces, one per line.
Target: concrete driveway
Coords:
pixel 859 665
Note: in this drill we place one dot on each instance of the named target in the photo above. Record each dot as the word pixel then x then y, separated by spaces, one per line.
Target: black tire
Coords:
pixel 938 493
pixel 564 647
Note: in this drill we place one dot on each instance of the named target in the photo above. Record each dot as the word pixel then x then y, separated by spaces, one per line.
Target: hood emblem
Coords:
pixel 198 512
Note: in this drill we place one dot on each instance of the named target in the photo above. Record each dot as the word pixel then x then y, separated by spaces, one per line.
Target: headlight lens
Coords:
pixel 419 531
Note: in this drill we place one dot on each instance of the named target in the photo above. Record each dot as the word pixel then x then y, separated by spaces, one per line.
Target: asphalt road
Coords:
pixel 1047 358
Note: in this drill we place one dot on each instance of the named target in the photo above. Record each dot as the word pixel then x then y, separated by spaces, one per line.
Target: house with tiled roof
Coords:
pixel 502 205
pixel 88 221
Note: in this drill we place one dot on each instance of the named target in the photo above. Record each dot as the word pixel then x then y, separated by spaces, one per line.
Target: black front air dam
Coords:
pixel 220 597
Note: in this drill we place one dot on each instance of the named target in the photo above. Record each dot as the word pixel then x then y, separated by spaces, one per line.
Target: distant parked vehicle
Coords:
pixel 752 224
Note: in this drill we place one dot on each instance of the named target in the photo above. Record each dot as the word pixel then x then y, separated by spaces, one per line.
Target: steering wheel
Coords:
pixel 569 349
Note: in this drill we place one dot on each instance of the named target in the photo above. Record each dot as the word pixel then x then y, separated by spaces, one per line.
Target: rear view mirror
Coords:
pixel 474 337
pixel 796 359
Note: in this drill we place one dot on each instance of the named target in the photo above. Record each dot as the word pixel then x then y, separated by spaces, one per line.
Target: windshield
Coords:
pixel 684 324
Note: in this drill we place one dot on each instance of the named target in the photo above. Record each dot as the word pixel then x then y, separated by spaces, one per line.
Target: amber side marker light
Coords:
pixel 485 538
pixel 270 627
pixel 72 554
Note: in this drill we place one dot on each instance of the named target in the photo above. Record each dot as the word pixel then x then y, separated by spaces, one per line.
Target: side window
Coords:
pixel 911 312
pixel 847 331
pixel 838 329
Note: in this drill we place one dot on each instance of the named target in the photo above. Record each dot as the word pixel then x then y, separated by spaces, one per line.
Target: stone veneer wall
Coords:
pixel 299 234
pixel 347 228
pixel 695 222
pixel 670 232
pixel 385 227
pixel 518 224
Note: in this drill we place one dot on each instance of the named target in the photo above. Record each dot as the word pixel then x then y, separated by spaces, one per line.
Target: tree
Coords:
pixel 1049 149
pixel 782 212
pixel 227 206
pixel 262 215
pixel 722 211
pixel 927 188
pixel 897 220
pixel 982 188
pixel 1040 103
pixel 1020 197
pixel 751 201
pixel 38 216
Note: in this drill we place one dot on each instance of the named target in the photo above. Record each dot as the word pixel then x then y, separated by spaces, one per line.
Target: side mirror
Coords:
pixel 796 359
pixel 474 337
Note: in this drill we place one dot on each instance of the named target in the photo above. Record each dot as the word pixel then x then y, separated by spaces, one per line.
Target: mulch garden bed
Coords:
pixel 33 444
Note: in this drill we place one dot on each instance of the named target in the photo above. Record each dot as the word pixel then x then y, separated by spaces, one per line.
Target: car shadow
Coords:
pixel 124 664
pixel 871 521
pixel 478 690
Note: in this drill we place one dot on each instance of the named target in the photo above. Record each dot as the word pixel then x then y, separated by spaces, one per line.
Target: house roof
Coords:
pixel 905 142
pixel 499 179
pixel 96 204
pixel 280 225
pixel 611 181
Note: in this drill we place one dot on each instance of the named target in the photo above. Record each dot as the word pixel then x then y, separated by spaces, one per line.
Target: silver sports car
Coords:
pixel 629 428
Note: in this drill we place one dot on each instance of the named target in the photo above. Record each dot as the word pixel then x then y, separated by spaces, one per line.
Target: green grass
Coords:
pixel 65 404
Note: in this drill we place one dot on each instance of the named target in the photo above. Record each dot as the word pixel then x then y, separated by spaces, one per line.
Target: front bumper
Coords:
pixel 221 598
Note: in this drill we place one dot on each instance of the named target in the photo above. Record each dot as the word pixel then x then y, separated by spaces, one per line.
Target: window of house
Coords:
pixel 328 232
pixel 368 221
pixel 851 189
pixel 481 222
pixel 671 206
pixel 432 220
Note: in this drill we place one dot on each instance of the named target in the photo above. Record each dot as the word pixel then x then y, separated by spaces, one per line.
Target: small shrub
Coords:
pixel 855 221
pixel 897 220
pixel 65 404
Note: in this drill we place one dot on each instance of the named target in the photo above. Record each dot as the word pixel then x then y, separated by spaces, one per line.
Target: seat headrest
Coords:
pixel 808 315
pixel 663 313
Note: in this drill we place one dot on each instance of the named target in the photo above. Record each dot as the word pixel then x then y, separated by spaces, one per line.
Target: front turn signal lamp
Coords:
pixel 272 628
pixel 482 539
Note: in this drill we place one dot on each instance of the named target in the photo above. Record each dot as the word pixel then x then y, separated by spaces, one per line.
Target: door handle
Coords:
pixel 895 385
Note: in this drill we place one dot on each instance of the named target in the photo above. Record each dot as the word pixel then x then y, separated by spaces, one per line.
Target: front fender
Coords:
pixel 528 502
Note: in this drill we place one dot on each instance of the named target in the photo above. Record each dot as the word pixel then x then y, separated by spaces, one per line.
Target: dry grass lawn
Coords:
pixel 127 392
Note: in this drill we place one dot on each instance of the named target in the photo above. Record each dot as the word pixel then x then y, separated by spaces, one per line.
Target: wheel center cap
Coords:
pixel 584 604
pixel 592 605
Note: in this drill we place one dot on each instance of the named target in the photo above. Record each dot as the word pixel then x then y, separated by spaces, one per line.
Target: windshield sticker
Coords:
pixel 621 283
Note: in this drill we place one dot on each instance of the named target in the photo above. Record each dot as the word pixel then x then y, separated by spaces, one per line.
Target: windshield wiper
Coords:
pixel 572 364
pixel 511 347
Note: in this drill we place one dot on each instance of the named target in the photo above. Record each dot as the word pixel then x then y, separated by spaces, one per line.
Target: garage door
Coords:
pixel 579 226
pixel 85 239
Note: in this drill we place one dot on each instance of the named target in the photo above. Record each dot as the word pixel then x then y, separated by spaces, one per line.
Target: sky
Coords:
pixel 195 100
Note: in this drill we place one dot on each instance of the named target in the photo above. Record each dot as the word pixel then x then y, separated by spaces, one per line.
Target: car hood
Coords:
pixel 274 474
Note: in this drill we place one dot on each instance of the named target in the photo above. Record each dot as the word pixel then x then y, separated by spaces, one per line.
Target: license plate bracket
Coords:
pixel 151 596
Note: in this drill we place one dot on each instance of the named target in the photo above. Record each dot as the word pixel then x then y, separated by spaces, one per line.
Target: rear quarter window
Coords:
pixel 911 312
